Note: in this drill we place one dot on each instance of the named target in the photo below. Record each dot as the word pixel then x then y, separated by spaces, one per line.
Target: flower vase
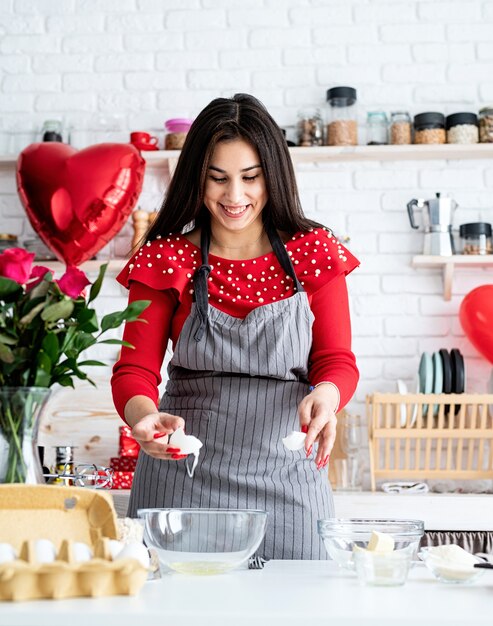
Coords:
pixel 20 413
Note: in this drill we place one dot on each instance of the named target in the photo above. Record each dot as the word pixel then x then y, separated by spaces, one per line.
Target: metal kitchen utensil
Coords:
pixel 84 475
pixel 437 217
pixel 257 562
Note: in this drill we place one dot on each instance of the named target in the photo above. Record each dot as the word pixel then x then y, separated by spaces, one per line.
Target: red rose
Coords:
pixel 72 283
pixel 16 264
pixel 37 275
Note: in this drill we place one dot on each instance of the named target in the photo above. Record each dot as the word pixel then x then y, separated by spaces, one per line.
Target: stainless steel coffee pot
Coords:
pixel 437 218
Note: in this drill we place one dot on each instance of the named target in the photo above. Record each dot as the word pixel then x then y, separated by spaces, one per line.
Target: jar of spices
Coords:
pixel 400 128
pixel 7 241
pixel 310 128
pixel 52 131
pixel 462 128
pixel 342 125
pixel 377 128
pixel 177 129
pixel 429 128
pixel 476 238
pixel 486 125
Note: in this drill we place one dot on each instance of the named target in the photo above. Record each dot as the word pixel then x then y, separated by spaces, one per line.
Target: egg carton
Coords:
pixel 66 517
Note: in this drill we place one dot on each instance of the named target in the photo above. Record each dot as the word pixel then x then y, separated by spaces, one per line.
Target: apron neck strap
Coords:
pixel 201 275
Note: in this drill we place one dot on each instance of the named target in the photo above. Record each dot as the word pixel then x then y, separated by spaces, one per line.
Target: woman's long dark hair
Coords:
pixel 225 119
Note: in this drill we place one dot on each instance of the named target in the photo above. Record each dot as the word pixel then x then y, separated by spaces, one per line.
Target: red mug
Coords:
pixel 143 139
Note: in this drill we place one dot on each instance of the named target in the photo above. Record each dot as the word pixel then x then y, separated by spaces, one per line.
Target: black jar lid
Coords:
pixel 461 118
pixel 474 229
pixel 345 95
pixel 431 119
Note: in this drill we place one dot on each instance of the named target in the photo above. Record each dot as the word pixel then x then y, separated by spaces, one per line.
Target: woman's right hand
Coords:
pixel 150 432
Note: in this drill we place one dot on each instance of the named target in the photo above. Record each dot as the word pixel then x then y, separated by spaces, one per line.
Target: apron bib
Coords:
pixel 237 383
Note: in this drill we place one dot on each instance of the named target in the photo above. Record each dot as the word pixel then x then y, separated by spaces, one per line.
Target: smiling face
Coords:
pixel 235 190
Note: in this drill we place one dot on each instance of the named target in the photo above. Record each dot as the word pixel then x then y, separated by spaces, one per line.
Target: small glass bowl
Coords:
pixel 382 569
pixel 341 536
pixel 449 573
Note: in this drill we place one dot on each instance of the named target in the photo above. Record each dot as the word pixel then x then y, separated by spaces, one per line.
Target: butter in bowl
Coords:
pixel 380 564
pixel 451 564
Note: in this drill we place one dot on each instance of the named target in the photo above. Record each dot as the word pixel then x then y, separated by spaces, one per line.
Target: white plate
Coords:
pixel 402 389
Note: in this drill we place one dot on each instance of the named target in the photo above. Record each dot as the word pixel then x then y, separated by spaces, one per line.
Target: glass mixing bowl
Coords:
pixel 203 541
pixel 340 536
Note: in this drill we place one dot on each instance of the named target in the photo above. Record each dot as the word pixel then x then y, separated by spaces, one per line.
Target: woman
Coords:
pixel 252 295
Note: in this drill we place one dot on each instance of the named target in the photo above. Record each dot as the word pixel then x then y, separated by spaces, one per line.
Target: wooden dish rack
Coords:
pixel 430 436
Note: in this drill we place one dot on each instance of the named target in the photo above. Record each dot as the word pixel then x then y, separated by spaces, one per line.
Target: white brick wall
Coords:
pixel 148 60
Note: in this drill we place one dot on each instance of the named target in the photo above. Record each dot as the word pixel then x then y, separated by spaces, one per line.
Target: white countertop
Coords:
pixel 439 511
pixel 284 593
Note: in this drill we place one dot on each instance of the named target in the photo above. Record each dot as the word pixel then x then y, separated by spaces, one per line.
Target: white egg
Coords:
pixel 136 551
pixel 188 444
pixel 115 547
pixel 295 440
pixel 81 552
pixel 44 551
pixel 7 553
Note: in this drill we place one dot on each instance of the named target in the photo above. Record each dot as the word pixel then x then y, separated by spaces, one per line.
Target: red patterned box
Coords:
pixel 123 463
pixel 128 445
pixel 122 480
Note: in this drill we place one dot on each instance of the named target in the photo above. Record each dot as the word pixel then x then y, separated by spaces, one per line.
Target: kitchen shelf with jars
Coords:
pixel 167 158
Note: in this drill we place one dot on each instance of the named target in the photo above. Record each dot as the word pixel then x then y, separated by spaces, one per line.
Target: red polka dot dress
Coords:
pixel 162 272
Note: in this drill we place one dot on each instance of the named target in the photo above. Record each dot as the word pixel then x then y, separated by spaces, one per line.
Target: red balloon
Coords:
pixel 476 318
pixel 78 200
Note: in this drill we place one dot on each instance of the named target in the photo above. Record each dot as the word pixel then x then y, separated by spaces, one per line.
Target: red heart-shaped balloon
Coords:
pixel 476 318
pixel 75 200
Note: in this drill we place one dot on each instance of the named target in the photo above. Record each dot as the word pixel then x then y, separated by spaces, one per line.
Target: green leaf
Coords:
pixel 8 340
pixel 6 354
pixel 130 314
pixel 117 342
pixel 42 289
pixel 93 363
pixel 28 318
pixel 9 289
pixel 96 286
pixel 57 311
pixel 65 381
pixel 51 347
pixel 88 319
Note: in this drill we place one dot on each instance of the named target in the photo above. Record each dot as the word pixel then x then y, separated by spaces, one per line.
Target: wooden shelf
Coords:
pixel 448 264
pixel 167 158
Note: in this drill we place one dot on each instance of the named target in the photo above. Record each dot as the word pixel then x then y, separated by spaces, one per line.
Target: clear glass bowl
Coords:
pixel 383 569
pixel 447 572
pixel 203 541
pixel 340 536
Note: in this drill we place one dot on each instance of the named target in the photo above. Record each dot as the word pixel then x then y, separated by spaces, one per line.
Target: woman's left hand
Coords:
pixel 319 421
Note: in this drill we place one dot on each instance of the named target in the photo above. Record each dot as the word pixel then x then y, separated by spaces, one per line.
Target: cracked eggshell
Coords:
pixel 188 444
pixel 295 440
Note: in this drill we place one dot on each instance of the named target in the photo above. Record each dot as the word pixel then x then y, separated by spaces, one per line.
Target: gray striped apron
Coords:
pixel 237 383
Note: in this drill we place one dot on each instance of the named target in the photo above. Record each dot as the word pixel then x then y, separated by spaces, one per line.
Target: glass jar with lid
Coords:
pixel 377 126
pixel 400 128
pixel 486 125
pixel 52 130
pixel 462 128
pixel 476 238
pixel 7 240
pixel 310 128
pixel 342 125
pixel 429 128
